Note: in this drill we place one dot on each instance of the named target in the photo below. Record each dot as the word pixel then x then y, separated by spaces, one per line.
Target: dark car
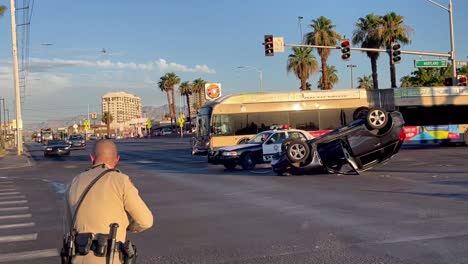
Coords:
pixel 77 142
pixel 56 148
pixel 367 141
pixel 259 149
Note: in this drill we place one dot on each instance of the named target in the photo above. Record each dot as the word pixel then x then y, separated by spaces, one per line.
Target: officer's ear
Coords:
pixel 117 159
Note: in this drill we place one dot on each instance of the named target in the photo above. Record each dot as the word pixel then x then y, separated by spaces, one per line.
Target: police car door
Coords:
pixel 273 145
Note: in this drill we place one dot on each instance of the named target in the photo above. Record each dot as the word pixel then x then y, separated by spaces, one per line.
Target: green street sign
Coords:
pixel 430 63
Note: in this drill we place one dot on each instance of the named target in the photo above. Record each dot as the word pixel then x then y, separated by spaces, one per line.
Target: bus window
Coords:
pixel 305 120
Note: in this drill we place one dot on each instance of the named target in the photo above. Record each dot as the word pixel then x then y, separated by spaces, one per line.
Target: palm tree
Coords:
pixel 393 29
pixel 323 34
pixel 167 84
pixel 185 89
pixel 367 34
pixel 198 86
pixel 171 81
pixel 406 81
pixel 2 10
pixel 366 82
pixel 308 87
pixel 162 86
pixel 332 78
pixel 302 63
pixel 107 118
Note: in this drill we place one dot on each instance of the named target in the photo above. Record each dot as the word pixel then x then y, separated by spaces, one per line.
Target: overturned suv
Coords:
pixel 374 136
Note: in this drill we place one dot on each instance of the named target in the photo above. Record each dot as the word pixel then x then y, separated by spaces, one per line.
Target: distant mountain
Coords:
pixel 152 112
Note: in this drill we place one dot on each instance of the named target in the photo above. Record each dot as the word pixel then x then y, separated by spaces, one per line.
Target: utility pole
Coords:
pixel 300 28
pixel 1 123
pixel 19 120
pixel 351 66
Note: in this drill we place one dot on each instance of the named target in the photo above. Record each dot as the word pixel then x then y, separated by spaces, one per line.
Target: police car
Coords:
pixel 259 149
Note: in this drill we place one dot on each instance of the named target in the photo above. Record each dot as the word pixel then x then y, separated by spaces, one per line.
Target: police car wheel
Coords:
pixel 297 151
pixel 248 162
pixel 230 166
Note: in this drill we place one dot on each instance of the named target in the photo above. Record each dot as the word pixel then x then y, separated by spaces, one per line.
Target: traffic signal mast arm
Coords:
pixel 434 54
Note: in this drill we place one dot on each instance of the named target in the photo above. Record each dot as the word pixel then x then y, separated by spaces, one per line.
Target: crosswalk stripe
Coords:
pixel 33 254
pixel 2 217
pixel 12 197
pixel 7 209
pixel 6 182
pixel 8 190
pixel 9 193
pixel 18 238
pixel 14 202
pixel 30 224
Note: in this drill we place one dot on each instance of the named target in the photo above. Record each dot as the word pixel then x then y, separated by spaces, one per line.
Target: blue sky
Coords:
pixel 195 39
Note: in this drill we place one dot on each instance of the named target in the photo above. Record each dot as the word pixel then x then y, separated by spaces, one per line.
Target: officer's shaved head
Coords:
pixel 105 151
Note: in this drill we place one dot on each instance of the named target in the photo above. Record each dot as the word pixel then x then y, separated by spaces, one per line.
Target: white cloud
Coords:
pixel 39 65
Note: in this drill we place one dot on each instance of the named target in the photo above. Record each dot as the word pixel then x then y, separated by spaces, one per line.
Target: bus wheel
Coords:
pixel 247 161
pixel 377 118
pixel 230 166
pixel 243 141
pixel 298 151
pixel 360 113
pixel 465 137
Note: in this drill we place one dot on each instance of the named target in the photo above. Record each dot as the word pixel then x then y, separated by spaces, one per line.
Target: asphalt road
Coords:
pixel 409 210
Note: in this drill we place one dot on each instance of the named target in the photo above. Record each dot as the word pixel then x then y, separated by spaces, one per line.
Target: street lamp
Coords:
pixel 351 66
pixel 260 74
pixel 452 37
pixel 300 26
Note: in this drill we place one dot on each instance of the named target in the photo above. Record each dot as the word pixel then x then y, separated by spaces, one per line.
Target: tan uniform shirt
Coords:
pixel 113 199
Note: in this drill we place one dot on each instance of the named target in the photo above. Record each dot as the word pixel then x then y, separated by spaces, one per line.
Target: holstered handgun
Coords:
pixel 130 252
pixel 68 248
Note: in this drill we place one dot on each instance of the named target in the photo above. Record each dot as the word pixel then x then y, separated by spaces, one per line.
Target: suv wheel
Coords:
pixel 297 151
pixel 377 118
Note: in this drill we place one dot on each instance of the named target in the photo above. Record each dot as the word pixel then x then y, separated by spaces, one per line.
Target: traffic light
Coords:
pixel 462 80
pixel 345 50
pixel 269 45
pixel 395 52
pixel 448 82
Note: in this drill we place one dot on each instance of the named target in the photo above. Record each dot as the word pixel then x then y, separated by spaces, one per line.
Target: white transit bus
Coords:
pixel 232 119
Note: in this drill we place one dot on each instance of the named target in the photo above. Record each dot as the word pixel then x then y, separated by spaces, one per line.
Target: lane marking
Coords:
pixel 33 254
pixel 26 237
pixel 14 208
pixel 6 182
pixel 12 197
pixel 14 202
pixel 8 190
pixel 30 224
pixel 9 193
pixel 3 217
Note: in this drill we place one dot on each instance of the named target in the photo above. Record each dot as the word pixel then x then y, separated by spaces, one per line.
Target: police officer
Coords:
pixel 112 199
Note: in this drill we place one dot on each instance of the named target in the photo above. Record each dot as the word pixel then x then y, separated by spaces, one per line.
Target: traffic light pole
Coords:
pixel 433 54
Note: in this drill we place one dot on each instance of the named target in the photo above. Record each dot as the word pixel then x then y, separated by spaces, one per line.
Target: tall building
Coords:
pixel 122 106
pixel 194 100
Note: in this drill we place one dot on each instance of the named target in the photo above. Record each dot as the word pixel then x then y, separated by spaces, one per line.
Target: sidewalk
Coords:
pixel 11 160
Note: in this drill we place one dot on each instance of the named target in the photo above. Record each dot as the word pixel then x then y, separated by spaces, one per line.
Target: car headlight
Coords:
pixel 229 153
pixel 67 148
pixel 48 148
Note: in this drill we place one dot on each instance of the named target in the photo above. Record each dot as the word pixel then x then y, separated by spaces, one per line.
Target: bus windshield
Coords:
pixel 260 138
